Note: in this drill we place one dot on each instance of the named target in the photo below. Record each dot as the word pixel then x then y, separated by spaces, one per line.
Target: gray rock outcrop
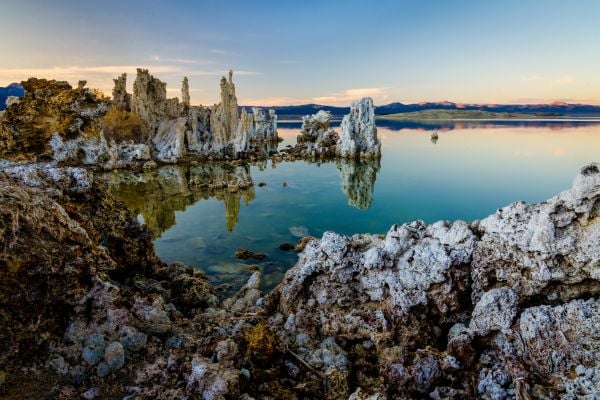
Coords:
pixel 149 100
pixel 523 283
pixel 358 136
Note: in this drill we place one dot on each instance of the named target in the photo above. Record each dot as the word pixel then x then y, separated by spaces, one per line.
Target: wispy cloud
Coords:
pixel 564 80
pixel 221 73
pixel 343 98
pixel 79 72
pixel 158 58
pixel 223 52
pixel 275 101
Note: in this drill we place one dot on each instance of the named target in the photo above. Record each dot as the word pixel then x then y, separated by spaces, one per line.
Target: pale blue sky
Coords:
pixel 291 52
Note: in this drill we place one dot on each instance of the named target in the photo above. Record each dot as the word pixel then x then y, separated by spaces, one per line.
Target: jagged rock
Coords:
pixel 10 100
pixel 263 126
pixel 231 130
pixel 495 311
pixel 358 137
pixel 48 107
pixel 169 140
pixel 224 117
pixel 149 100
pixel 121 100
pixel 185 93
pixel 314 126
pixel 317 138
pixel 549 249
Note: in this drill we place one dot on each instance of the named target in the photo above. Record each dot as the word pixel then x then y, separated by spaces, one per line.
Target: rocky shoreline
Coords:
pixel 501 308
pixel 82 127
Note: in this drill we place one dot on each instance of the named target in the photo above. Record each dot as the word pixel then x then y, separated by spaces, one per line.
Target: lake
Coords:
pixel 472 169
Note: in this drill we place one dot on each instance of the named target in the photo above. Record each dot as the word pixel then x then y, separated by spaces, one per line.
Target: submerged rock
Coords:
pixel 298 231
pixel 245 254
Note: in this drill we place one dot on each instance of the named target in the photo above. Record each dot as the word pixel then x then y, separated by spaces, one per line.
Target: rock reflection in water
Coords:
pixel 358 181
pixel 156 195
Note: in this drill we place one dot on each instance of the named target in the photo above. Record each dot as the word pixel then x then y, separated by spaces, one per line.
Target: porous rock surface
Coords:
pixel 431 308
pixel 358 133
pixel 88 308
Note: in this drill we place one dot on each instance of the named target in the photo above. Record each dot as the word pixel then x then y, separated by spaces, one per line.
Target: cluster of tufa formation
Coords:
pixel 48 107
pixel 357 140
pixel 502 308
pixel 80 126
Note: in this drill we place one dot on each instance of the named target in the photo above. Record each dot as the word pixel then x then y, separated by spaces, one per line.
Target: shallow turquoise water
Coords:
pixel 473 169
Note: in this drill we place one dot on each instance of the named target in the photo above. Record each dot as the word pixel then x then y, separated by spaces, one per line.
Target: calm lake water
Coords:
pixel 473 169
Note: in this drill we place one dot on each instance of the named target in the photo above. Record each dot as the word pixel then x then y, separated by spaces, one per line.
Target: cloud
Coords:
pixel 274 101
pixel 223 52
pixel 221 73
pixel 158 58
pixel 564 80
pixel 345 97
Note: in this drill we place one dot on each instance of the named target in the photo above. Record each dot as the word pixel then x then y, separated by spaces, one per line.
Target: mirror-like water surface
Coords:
pixel 472 169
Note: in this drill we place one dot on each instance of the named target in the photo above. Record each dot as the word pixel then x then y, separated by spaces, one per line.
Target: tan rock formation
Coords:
pixel 149 99
pixel 121 100
pixel 224 116
pixel 48 107
pixel 185 93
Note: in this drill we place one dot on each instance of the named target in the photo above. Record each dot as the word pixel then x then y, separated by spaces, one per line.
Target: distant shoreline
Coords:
pixel 477 115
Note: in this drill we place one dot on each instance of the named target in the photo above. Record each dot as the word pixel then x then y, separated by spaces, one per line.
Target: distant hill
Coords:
pixel 552 109
pixel 14 89
pixel 542 110
pixel 457 115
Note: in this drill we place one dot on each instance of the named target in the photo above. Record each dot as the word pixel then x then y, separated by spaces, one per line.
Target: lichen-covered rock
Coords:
pixel 49 107
pixel 358 136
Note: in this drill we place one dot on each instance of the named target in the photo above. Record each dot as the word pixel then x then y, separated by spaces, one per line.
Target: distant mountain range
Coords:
pixel 14 89
pixel 552 109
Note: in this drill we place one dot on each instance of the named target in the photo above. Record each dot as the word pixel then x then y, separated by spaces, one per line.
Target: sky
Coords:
pixel 326 52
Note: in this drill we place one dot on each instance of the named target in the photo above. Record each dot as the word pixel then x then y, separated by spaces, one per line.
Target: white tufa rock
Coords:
pixel 358 137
